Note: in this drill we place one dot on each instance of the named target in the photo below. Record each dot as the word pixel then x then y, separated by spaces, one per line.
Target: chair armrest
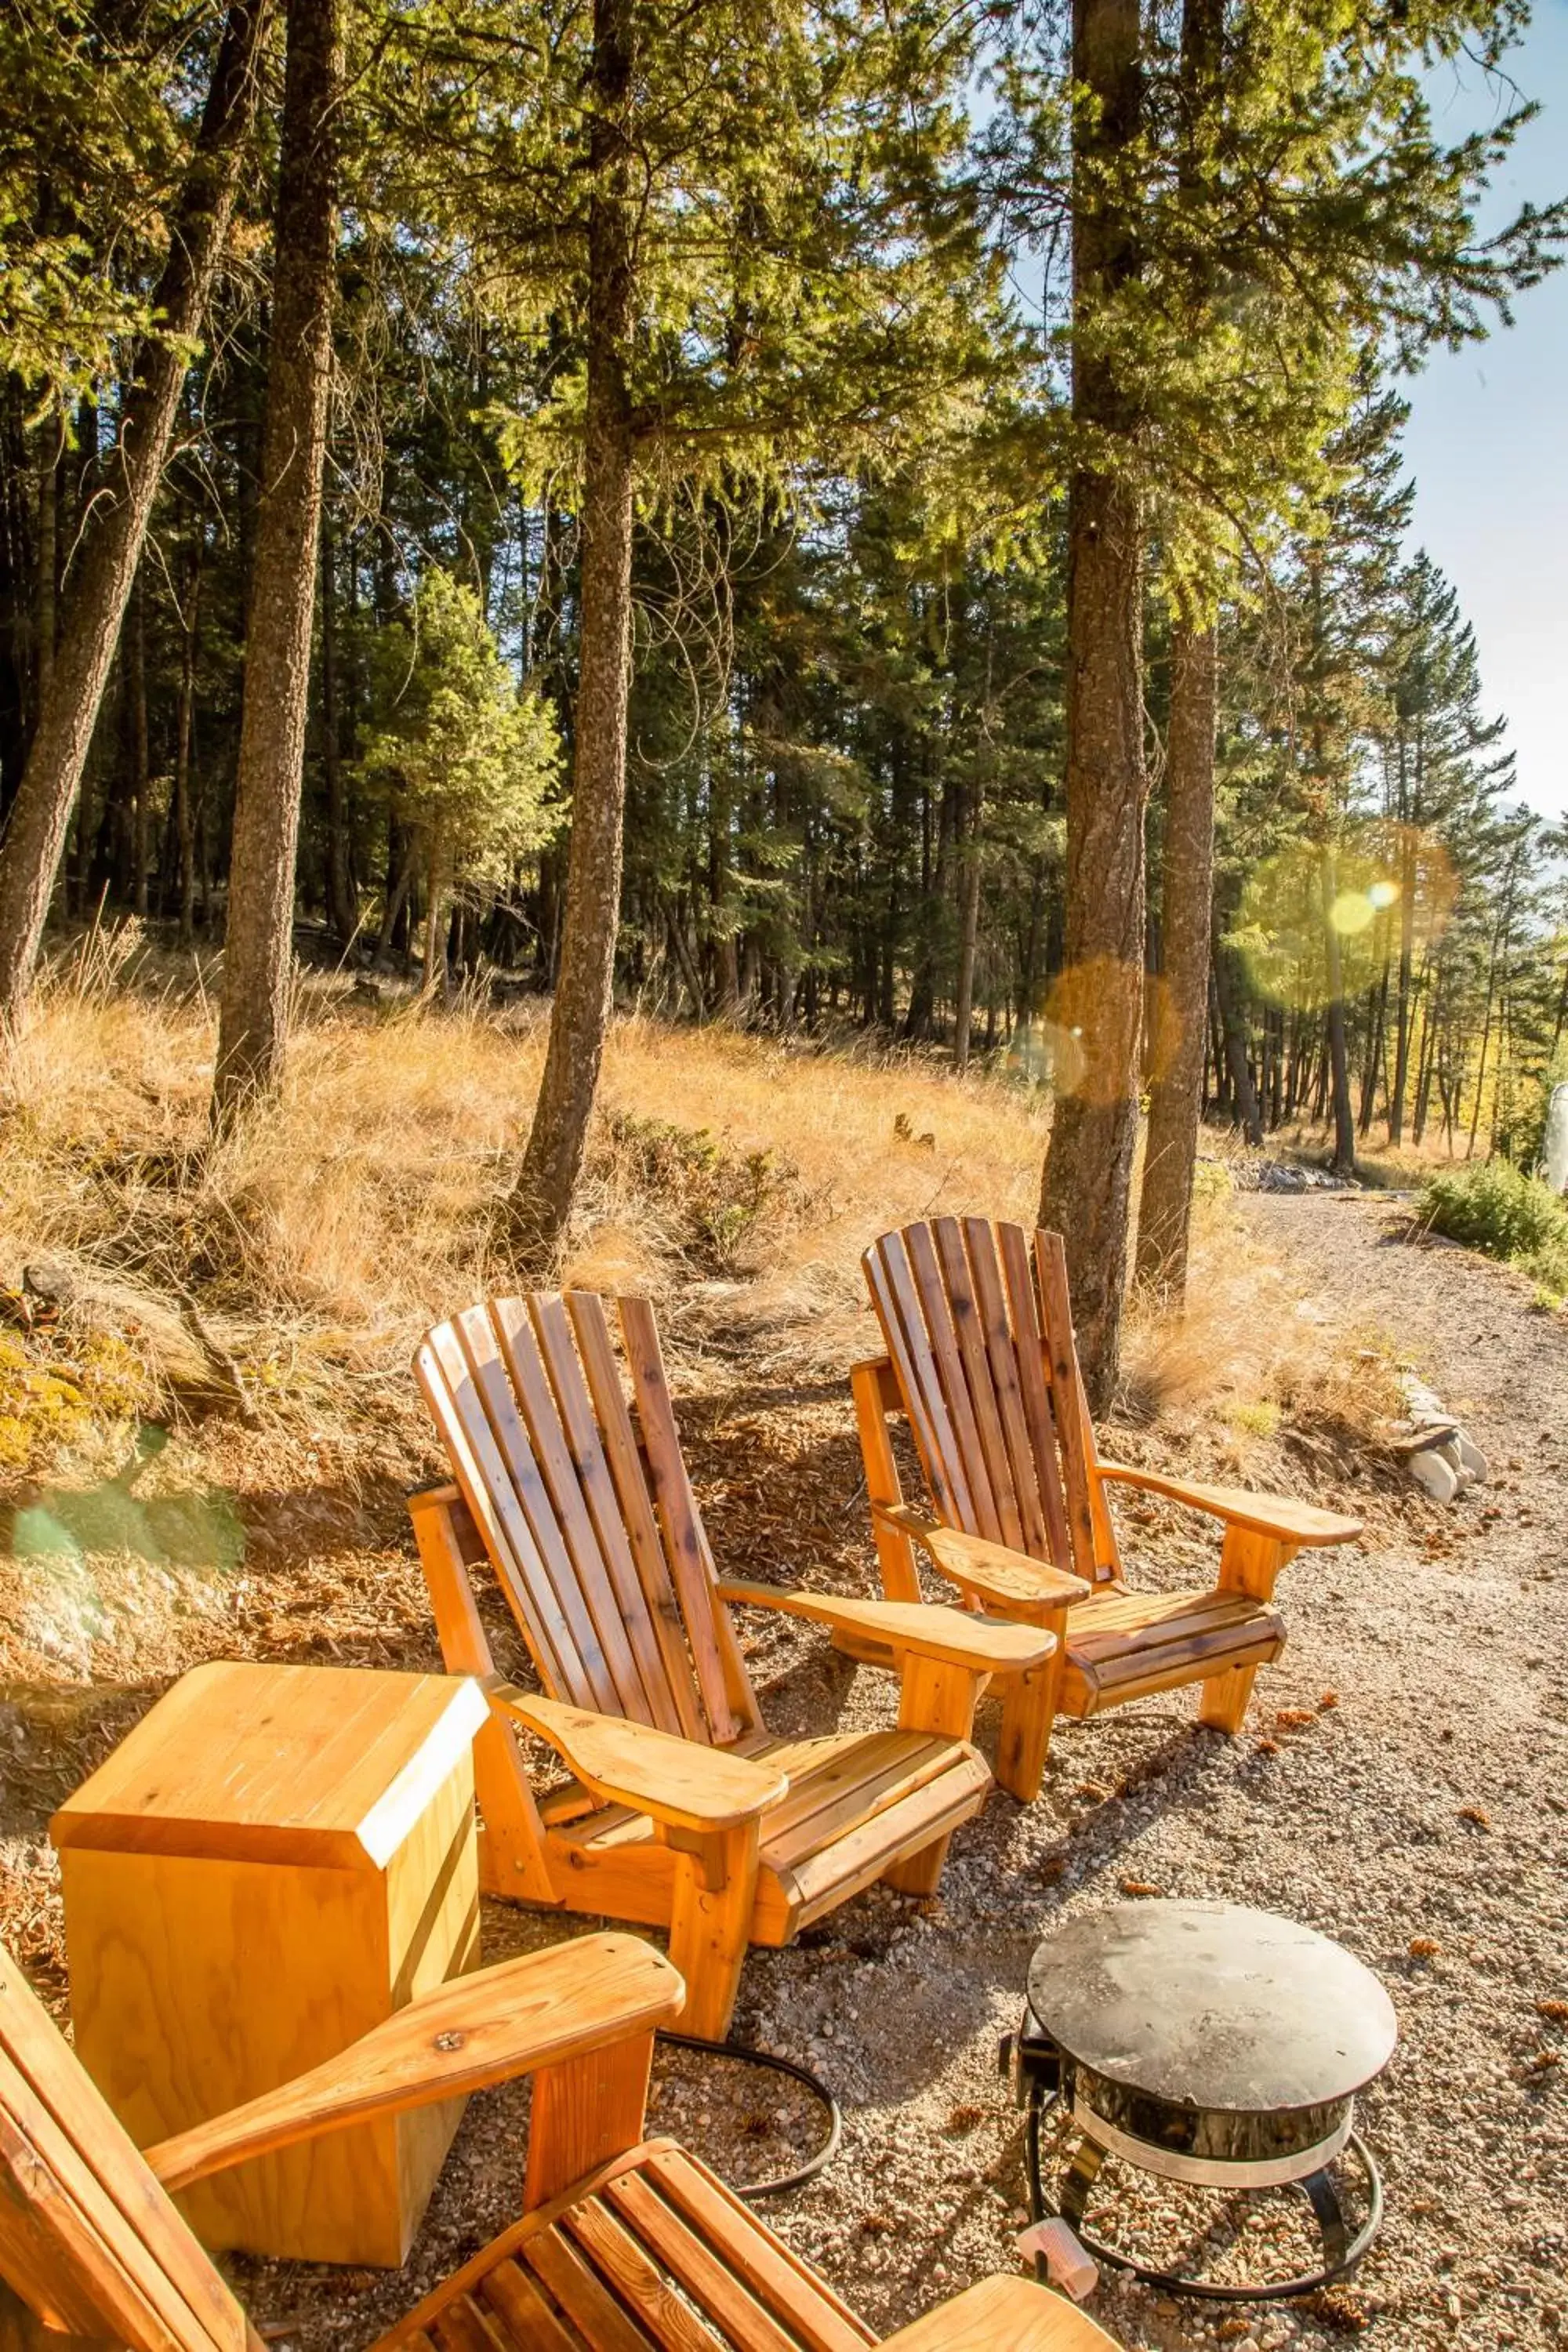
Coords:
pixel 540 2011
pixel 678 1781
pixel 1267 1515
pixel 992 1571
pixel 1011 2312
pixel 950 1635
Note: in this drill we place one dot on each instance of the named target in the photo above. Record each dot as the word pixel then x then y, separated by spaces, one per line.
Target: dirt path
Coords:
pixel 1420 1818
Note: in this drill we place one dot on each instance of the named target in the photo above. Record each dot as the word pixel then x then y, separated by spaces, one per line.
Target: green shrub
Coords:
pixel 1495 1207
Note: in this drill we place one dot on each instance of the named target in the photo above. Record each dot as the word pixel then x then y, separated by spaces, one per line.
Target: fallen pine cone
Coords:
pixel 1292 1718
pixel 1267 1748
pixel 1422 1947
pixel 1341 2311
pixel 1474 1814
pixel 1140 1886
pixel 1557 2010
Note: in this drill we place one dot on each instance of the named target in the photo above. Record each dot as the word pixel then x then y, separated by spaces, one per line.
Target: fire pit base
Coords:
pixel 1209 2044
pixel 1342 2251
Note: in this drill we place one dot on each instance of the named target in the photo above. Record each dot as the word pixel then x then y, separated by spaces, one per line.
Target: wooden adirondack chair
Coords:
pixel 625 2245
pixel 981 1362
pixel 683 1813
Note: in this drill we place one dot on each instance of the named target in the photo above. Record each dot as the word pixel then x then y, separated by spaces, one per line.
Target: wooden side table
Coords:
pixel 275 1859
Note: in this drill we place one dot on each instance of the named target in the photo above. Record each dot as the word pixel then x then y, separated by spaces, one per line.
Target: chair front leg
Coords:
pixel 1249 1563
pixel 585 2111
pixel 939 1698
pixel 1028 1710
pixel 894 1552
pixel 511 1845
pixel 709 1926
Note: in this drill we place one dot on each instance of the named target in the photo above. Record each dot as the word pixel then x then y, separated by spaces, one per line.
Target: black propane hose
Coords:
pixel 785 2183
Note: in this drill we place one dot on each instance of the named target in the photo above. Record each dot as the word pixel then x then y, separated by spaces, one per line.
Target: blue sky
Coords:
pixel 1487 442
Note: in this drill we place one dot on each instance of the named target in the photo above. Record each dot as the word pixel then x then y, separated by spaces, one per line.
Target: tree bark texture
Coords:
pixel 1087 1189
pixel 342 912
pixel 40 816
pixel 1181 1000
pixel 259 934
pixel 580 1016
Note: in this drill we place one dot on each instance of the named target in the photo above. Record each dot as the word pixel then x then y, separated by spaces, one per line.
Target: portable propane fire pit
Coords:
pixel 1208 2044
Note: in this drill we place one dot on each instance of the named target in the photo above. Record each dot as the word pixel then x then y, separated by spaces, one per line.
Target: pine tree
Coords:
pixel 259 940
pixel 35 830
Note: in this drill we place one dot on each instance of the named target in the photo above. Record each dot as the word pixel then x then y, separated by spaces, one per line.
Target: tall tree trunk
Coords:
pixel 140 757
pixel 342 912
pixel 184 743
pixel 1086 1192
pixel 1373 1058
pixel 52 439
pixel 40 816
pixel 969 933
pixel 259 933
pixel 1342 1161
pixel 1403 1018
pixel 547 1180
pixel 1165 1201
pixel 1233 1028
pixel 438 977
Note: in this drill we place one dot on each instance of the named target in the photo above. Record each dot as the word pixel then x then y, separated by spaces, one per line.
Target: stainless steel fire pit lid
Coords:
pixel 1211 2005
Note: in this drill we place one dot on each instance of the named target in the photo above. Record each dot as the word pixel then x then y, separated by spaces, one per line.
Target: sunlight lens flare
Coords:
pixel 1379 887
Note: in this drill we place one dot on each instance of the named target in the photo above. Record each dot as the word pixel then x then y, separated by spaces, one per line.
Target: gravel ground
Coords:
pixel 1400 1785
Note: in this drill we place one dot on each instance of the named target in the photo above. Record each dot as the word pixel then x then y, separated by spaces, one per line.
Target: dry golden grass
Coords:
pixel 365 1200
pixel 738 1178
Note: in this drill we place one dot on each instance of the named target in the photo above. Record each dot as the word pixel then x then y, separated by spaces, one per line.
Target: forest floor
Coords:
pixel 1400 1783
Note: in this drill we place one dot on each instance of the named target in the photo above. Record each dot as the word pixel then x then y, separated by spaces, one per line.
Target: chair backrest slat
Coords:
pixel 484 1474
pixel 892 1290
pixel 564 1530
pixel 87 2239
pixel 979 1337
pixel 957 1286
pixel 708 1627
pixel 591 1328
pixel 597 1635
pixel 1048 1538
pixel 957 1347
pixel 1004 1346
pixel 594 1535
pixel 537 1340
pixel 1093 1534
